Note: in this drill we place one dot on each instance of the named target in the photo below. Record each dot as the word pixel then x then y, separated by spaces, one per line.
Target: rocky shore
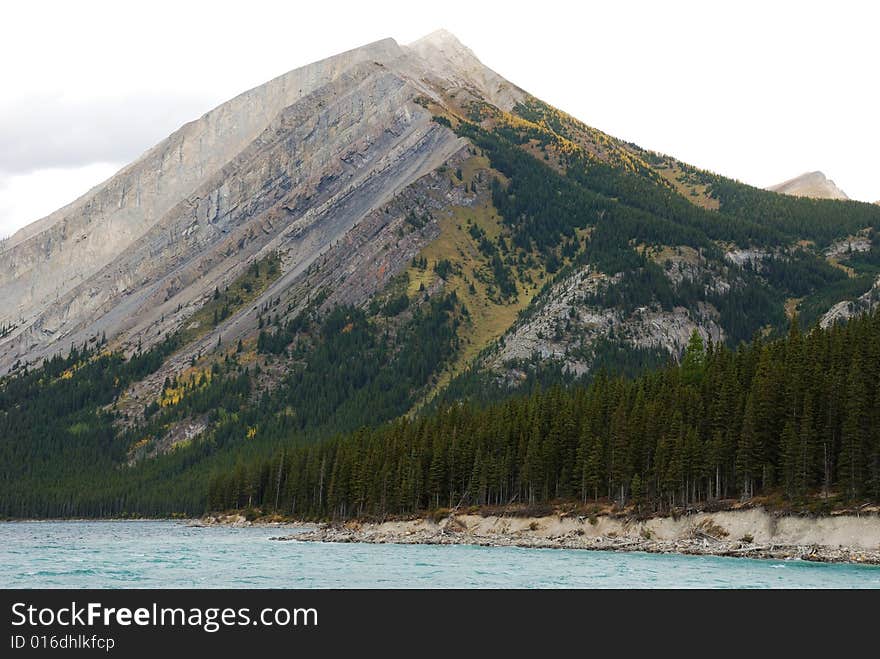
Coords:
pixel 751 534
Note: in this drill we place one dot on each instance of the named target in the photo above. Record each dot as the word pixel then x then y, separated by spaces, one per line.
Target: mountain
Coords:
pixel 811 184
pixel 292 165
pixel 368 238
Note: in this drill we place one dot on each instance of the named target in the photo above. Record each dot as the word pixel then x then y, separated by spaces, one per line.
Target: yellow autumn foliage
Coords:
pixel 139 444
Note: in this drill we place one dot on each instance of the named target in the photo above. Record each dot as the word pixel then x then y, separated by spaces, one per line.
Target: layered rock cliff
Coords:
pixel 289 166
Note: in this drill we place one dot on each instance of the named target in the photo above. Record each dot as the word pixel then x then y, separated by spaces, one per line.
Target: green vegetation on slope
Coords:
pixel 819 220
pixel 224 303
pixel 545 208
pixel 622 202
pixel 746 215
pixel 63 456
pixel 797 416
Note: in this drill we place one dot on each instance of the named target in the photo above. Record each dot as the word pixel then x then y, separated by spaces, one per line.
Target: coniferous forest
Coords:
pixel 795 418
pixel 66 454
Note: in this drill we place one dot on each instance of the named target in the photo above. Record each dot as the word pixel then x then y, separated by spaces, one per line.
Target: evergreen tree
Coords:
pixel 693 362
pixel 748 455
pixel 854 433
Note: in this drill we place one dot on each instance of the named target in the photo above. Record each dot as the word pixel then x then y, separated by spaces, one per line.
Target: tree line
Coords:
pixel 796 417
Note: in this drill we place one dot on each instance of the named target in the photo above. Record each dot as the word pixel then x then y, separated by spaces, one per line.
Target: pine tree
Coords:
pixel 854 432
pixel 635 488
pixel 618 467
pixel 748 455
pixel 694 360
pixel 791 459
pixel 807 448
pixel 593 465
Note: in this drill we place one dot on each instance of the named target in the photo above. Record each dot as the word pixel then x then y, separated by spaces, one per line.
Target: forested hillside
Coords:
pixel 65 452
pixel 626 251
pixel 795 417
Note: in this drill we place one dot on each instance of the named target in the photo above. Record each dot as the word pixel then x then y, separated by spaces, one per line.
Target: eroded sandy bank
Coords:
pixel 754 533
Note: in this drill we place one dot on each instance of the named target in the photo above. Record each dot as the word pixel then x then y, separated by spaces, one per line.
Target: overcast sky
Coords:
pixel 761 91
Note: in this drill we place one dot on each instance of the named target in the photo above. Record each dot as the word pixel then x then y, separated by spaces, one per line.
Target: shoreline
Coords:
pixel 741 534
pixel 745 533
pixel 33 520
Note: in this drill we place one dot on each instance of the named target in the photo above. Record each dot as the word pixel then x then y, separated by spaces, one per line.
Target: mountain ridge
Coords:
pixel 231 128
pixel 28 252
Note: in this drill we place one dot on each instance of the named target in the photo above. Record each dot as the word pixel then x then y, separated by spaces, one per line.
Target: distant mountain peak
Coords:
pixel 811 184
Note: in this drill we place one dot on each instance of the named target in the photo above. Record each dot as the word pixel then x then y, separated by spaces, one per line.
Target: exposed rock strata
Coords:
pixel 292 166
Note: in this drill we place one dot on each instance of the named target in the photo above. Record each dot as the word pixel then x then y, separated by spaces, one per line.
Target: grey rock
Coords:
pixel 291 166
pixel 846 309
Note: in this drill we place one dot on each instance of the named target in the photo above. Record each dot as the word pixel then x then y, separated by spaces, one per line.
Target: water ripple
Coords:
pixel 169 555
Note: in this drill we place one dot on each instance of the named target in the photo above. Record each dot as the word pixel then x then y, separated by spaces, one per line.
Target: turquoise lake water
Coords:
pixel 171 555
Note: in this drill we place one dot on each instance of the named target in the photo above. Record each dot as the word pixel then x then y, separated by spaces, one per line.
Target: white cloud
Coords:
pixel 53 130
pixel 28 197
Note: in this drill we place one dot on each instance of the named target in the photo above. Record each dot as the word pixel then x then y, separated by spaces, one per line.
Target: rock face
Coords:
pixel 453 63
pixel 47 258
pixel 290 166
pixel 811 184
pixel 852 244
pixel 846 309
pixel 563 328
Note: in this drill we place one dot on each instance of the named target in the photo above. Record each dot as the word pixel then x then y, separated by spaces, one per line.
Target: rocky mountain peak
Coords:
pixel 811 184
pixel 242 180
pixel 446 58
pixel 441 38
